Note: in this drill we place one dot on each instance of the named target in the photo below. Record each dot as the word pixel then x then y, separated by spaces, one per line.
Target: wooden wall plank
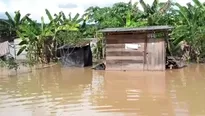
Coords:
pixel 110 68
pixel 124 58
pixel 124 53
pixel 114 41
pixel 124 50
pixel 121 39
pixel 113 66
pixel 115 46
pixel 124 62
pixel 133 67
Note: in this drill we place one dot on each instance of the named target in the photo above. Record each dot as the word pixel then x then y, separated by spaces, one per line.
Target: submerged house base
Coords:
pixel 136 48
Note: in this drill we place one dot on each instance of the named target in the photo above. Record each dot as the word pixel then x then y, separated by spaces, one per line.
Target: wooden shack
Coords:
pixel 141 48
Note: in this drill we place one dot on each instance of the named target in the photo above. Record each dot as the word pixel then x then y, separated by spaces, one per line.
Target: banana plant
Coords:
pixel 70 24
pixel 130 15
pixel 149 10
pixel 60 22
pixel 190 28
pixel 12 24
pixel 156 11
pixel 33 37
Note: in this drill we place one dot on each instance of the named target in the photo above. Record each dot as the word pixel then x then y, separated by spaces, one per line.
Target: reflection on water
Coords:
pixel 60 91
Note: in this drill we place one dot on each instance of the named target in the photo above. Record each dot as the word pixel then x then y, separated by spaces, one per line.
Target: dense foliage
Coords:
pixel 41 40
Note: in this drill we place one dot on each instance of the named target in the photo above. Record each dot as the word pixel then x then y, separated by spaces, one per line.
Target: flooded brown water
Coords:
pixel 60 91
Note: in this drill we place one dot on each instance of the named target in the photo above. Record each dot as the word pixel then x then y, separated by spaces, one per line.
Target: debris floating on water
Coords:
pixel 174 63
pixel 100 66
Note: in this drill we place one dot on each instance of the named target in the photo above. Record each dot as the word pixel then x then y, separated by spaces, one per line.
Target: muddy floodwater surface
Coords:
pixel 61 91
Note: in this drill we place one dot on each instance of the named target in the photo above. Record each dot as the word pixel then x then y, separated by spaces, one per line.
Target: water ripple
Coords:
pixel 65 92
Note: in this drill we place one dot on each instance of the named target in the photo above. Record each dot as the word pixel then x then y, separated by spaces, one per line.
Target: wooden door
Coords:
pixel 155 58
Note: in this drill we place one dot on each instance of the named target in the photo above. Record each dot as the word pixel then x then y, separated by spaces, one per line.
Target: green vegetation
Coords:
pixel 10 64
pixel 41 40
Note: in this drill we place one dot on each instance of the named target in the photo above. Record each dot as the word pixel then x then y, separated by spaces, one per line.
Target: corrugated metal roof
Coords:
pixel 82 43
pixel 148 28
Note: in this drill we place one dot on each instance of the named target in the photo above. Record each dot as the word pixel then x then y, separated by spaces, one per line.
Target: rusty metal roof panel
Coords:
pixel 148 28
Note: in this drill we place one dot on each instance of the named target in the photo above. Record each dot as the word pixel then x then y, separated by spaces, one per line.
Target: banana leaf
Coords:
pixel 21 50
